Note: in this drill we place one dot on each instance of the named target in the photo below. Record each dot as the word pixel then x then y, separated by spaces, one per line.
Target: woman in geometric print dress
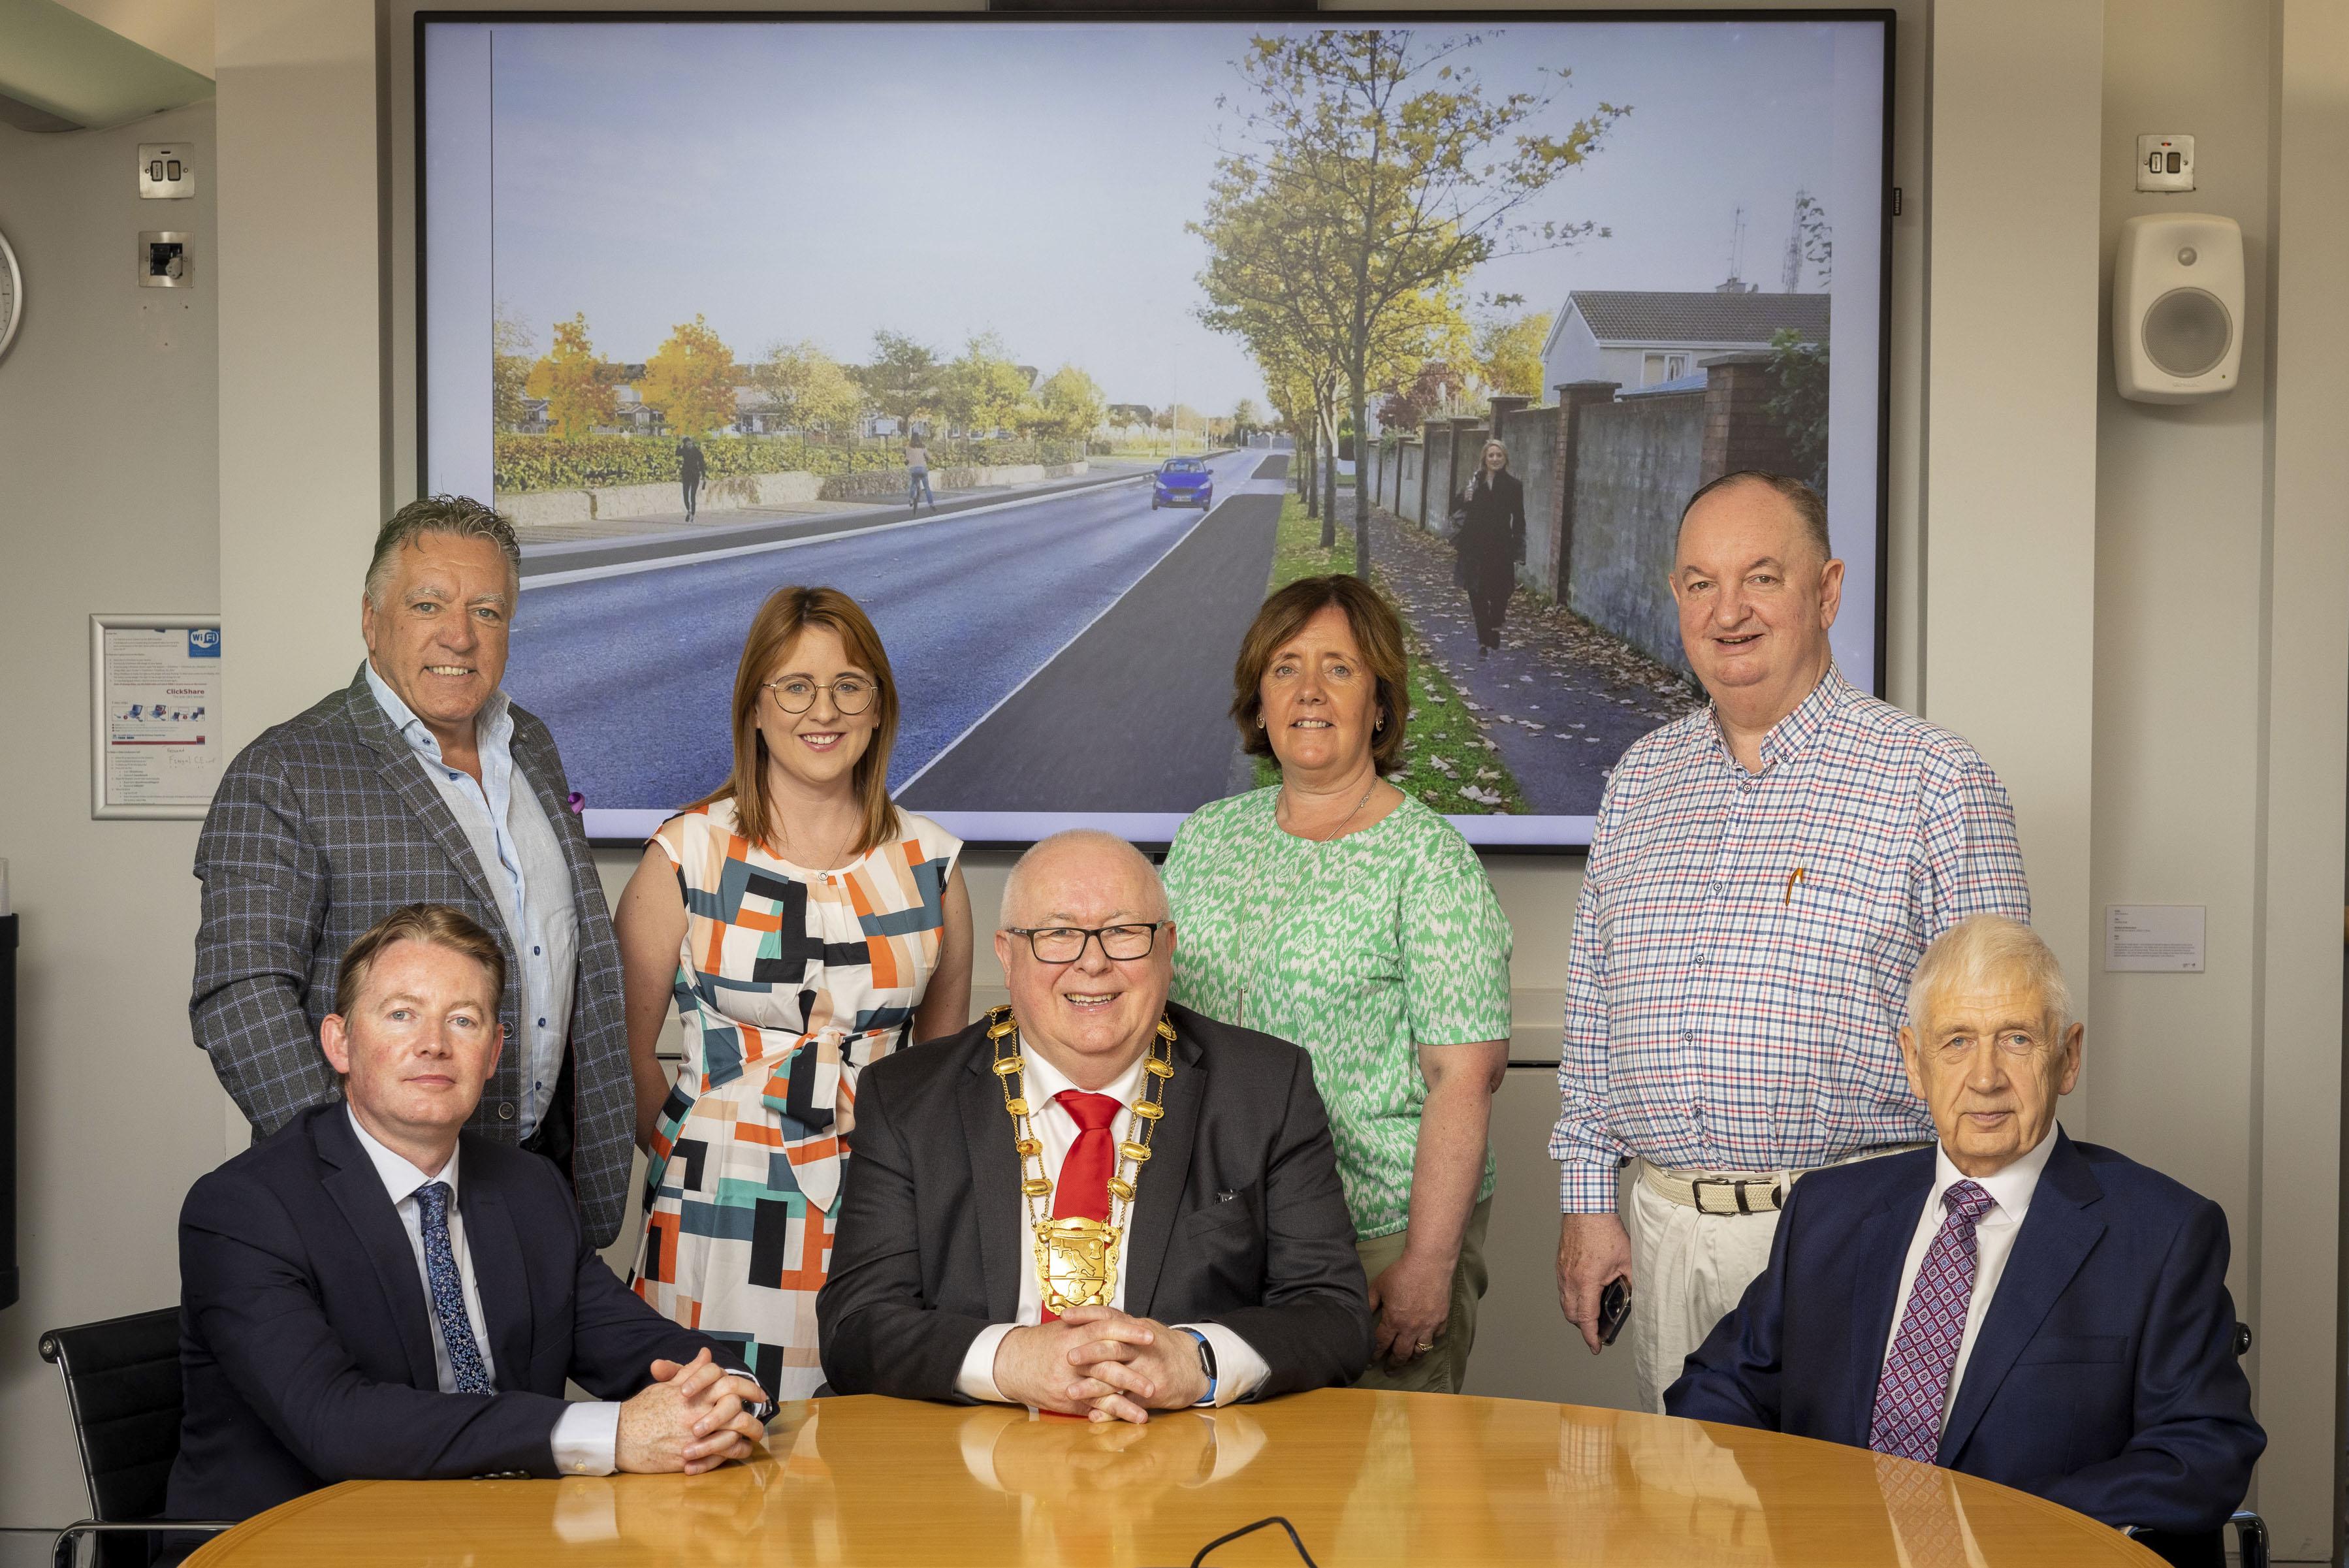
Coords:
pixel 804 927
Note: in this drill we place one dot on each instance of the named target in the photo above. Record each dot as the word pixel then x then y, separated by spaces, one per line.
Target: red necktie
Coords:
pixel 1083 1190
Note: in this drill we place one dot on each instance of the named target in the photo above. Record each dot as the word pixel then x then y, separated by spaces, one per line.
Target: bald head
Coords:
pixel 1082 864
pixel 1092 1015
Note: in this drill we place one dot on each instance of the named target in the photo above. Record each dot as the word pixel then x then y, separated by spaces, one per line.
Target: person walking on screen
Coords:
pixel 421 781
pixel 806 928
pixel 917 473
pixel 1489 543
pixel 1763 876
pixel 1337 911
pixel 690 470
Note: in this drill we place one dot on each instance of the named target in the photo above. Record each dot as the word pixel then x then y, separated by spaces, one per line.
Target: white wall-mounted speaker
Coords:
pixel 2178 308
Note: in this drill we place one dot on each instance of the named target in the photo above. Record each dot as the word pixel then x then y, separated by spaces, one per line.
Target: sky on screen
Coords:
pixel 797 180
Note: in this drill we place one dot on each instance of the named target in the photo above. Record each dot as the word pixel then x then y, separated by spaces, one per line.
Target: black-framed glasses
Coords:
pixel 849 694
pixel 1066 944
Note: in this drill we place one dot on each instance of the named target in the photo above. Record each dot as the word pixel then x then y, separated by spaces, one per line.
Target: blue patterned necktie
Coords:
pixel 1914 1386
pixel 448 1292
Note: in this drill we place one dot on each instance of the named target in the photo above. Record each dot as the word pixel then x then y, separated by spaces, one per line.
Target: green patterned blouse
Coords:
pixel 1361 950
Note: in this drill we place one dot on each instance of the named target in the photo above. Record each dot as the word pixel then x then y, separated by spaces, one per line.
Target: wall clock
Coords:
pixel 12 295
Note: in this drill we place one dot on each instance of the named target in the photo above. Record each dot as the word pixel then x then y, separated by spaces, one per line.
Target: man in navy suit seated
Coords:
pixel 372 1294
pixel 2047 1314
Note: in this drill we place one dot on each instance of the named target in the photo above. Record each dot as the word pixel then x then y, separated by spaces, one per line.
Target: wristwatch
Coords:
pixel 1207 1365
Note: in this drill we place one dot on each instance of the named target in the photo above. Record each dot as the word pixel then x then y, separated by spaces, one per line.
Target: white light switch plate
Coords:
pixel 2165 162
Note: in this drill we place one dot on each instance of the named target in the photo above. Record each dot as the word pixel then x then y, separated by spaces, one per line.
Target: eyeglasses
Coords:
pixel 796 693
pixel 1066 944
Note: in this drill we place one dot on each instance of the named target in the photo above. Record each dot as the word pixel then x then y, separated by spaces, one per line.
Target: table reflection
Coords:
pixel 1367 1478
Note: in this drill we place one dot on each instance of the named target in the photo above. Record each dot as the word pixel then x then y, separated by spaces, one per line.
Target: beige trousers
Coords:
pixel 1688 1270
pixel 1443 1369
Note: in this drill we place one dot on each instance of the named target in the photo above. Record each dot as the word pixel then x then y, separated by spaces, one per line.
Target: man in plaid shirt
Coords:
pixel 1762 879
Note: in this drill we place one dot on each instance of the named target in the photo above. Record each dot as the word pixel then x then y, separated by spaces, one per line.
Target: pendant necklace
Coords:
pixel 1076 1258
pixel 1264 922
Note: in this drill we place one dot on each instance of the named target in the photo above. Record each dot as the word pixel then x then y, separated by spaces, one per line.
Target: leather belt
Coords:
pixel 1743 1192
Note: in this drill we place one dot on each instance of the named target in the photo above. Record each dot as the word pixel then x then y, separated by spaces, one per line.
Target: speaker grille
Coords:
pixel 2188 332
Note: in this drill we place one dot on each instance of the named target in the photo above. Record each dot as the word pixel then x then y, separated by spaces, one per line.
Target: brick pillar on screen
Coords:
pixel 1739 432
pixel 1573 397
pixel 1467 449
pixel 1434 436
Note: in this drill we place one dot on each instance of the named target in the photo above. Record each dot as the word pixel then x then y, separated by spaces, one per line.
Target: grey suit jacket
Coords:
pixel 1239 1218
pixel 320 828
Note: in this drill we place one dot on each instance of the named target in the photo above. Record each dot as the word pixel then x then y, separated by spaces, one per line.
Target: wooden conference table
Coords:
pixel 1366 1478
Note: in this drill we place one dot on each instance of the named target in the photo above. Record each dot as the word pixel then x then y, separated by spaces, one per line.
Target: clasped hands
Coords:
pixel 694 1417
pixel 1099 1363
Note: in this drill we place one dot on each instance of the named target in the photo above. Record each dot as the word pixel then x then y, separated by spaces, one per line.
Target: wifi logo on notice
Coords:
pixel 203 642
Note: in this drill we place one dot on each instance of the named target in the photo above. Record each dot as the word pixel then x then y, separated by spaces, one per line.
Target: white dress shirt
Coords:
pixel 586 1436
pixel 530 880
pixel 1239 1370
pixel 2010 1199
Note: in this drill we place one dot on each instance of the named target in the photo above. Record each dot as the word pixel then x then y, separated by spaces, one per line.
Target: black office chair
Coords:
pixel 122 1389
pixel 2209 1550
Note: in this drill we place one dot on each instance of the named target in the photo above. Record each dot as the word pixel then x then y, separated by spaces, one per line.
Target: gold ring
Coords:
pixel 1425 1345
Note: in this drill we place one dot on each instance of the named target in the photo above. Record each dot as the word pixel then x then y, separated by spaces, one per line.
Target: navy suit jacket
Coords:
pixel 2103 1378
pixel 306 1348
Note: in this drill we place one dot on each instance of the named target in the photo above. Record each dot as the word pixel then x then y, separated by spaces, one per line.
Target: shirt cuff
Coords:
pixel 977 1378
pixel 1239 1370
pixel 1587 1186
pixel 587 1438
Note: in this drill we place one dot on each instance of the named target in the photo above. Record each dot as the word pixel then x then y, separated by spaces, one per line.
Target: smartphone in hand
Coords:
pixel 1614 1309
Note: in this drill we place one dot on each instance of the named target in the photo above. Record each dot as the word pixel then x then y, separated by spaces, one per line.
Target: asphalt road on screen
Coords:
pixel 634 670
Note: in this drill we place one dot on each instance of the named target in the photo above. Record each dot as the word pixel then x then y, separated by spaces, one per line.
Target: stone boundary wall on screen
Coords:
pixel 1606 474
pixel 744 492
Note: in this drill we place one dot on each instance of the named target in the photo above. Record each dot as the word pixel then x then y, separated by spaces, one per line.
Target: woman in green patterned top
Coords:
pixel 1336 911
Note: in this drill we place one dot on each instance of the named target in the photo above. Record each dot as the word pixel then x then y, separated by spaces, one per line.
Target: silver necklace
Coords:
pixel 1249 944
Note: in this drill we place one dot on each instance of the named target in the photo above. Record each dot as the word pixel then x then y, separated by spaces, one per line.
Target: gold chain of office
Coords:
pixel 1076 1258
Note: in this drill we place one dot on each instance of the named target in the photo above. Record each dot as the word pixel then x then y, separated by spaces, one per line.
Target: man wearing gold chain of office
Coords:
pixel 1090 1201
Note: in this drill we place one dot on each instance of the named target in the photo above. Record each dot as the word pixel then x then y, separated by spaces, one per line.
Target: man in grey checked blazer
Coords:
pixel 419 782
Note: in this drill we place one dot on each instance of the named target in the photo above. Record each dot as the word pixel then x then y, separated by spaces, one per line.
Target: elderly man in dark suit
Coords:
pixel 373 1293
pixel 1092 1202
pixel 420 781
pixel 2010 1304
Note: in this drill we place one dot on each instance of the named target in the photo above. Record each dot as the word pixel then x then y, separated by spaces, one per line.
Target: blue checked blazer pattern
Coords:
pixel 320 828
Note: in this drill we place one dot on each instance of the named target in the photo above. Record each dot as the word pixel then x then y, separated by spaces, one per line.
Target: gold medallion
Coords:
pixel 1076 1263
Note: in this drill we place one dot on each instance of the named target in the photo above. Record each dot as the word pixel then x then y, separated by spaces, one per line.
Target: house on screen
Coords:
pixel 1645 337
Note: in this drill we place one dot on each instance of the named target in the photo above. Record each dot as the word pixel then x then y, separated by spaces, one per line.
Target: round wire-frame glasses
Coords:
pixel 795 694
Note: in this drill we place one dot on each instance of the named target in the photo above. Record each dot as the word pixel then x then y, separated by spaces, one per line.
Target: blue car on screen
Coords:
pixel 1183 481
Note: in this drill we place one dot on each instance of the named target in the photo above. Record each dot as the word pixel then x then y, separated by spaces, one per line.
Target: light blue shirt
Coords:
pixel 521 856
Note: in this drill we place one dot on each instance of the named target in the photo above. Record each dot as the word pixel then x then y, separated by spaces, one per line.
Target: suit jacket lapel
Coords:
pixel 1158 1194
pixel 495 1246
pixel 2056 1237
pixel 1003 1239
pixel 357 1191
pixel 1883 1242
pixel 405 774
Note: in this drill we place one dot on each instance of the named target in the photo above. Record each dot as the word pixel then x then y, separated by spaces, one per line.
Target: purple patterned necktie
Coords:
pixel 1914 1386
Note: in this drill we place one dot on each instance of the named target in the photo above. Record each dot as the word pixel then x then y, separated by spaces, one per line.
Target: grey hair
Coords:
pixel 1810 506
pixel 458 517
pixel 1982 949
pixel 1015 886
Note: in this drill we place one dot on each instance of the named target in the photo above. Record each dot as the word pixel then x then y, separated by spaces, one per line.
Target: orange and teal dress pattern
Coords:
pixel 790 982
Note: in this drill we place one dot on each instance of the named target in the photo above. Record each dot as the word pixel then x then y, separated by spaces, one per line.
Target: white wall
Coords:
pixel 107 503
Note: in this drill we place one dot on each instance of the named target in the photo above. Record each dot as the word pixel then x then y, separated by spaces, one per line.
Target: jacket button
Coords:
pixel 505 1110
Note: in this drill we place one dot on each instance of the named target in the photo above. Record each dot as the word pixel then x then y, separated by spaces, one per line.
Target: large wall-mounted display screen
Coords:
pixel 1174 312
